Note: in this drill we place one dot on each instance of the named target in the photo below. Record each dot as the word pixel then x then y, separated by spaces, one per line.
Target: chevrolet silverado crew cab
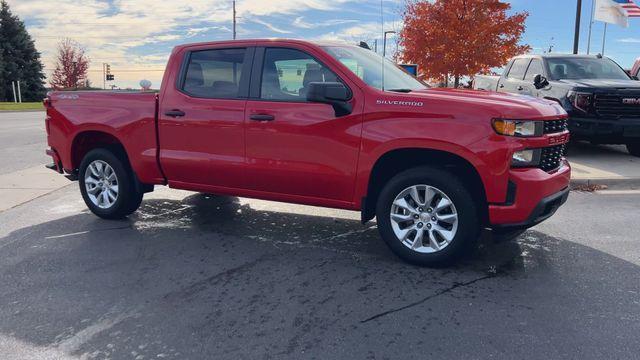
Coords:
pixel 603 101
pixel 323 124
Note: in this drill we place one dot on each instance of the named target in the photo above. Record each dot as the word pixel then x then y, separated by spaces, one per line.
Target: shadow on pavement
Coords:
pixel 210 277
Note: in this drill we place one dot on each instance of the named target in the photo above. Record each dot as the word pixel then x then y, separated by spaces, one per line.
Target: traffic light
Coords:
pixel 107 71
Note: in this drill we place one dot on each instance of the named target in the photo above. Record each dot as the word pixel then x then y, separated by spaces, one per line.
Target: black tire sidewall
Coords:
pixel 468 223
pixel 126 188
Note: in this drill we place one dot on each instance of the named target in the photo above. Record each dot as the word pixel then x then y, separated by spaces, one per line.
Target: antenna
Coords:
pixel 383 36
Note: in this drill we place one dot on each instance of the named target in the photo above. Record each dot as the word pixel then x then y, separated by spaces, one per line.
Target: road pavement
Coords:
pixel 191 276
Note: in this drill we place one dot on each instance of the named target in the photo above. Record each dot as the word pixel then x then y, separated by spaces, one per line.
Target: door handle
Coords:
pixel 520 88
pixel 262 117
pixel 175 113
pixel 501 86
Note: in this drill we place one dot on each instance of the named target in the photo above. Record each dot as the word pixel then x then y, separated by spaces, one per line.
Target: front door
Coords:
pixel 201 131
pixel 295 147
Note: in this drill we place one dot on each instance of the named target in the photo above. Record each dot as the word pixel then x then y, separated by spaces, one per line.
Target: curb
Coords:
pixel 624 183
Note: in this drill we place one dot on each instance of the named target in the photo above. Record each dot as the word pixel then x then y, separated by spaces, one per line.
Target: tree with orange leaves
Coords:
pixel 71 67
pixel 460 37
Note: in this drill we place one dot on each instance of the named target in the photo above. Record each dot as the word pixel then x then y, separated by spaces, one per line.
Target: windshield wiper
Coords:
pixel 400 90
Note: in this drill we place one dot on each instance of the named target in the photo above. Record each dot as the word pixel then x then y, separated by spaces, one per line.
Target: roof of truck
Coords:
pixel 248 42
pixel 558 55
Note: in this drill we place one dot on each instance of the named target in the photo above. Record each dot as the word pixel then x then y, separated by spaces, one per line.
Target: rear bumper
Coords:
pixel 537 195
pixel 57 163
pixel 604 130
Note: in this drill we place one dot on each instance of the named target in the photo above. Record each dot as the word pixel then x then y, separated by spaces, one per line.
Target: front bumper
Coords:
pixel 604 130
pixel 535 196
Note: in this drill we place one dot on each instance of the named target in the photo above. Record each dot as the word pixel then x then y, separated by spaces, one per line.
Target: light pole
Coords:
pixel 384 42
pixel 576 36
pixel 234 19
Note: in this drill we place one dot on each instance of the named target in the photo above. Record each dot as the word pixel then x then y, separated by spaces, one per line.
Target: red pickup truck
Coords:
pixel 323 124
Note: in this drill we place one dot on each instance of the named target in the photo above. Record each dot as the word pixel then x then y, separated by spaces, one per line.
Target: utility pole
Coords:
pixel 104 77
pixel 13 86
pixel 234 19
pixel 576 36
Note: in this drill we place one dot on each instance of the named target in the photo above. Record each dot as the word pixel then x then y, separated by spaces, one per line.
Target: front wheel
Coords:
pixel 427 217
pixel 107 185
pixel 633 147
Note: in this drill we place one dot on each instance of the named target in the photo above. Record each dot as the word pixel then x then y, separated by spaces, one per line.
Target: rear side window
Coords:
pixel 214 73
pixel 535 68
pixel 518 69
pixel 286 74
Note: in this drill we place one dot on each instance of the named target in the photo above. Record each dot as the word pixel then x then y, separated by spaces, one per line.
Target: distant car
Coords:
pixel 603 101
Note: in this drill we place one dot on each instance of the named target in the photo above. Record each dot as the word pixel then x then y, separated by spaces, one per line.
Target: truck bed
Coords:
pixel 128 116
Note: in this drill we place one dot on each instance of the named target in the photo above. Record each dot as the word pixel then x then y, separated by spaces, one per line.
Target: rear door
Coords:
pixel 296 147
pixel 514 80
pixel 201 132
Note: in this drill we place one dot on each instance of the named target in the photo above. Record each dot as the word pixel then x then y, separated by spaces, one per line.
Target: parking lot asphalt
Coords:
pixel 192 276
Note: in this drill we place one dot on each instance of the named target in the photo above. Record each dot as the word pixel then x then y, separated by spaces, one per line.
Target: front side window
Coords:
pixel 535 68
pixel 287 73
pixel 375 71
pixel 518 68
pixel 214 73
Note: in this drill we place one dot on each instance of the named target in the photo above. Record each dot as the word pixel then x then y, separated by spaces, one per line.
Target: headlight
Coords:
pixel 580 100
pixel 526 158
pixel 521 128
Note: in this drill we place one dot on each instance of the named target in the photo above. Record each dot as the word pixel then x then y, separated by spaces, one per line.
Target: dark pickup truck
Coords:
pixel 603 101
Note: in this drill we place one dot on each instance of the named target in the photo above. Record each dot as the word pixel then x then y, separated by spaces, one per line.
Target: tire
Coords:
pixel 634 147
pixel 122 200
pixel 463 235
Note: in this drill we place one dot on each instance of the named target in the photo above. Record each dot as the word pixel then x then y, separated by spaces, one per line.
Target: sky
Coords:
pixel 136 36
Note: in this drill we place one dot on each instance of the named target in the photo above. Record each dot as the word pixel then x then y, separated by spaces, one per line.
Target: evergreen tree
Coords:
pixel 19 59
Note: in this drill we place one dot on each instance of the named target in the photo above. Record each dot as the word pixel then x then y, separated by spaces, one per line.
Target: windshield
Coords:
pixel 367 65
pixel 585 68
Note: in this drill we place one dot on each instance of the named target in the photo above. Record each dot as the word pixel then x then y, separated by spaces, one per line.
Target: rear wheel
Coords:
pixel 427 217
pixel 633 146
pixel 108 186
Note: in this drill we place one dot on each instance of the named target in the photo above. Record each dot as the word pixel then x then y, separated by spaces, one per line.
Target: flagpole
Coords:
pixel 604 38
pixel 593 7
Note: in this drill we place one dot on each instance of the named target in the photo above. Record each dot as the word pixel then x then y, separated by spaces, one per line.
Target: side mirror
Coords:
pixel 540 81
pixel 333 93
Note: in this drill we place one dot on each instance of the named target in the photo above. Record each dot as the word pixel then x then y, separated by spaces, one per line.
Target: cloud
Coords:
pixel 271 27
pixel 125 33
pixel 629 40
pixel 301 23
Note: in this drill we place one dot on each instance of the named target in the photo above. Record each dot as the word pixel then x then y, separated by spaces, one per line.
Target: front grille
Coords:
pixel 551 157
pixel 612 106
pixel 555 126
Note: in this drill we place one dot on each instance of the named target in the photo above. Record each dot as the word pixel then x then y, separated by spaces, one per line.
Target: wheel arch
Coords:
pixel 87 140
pixel 397 160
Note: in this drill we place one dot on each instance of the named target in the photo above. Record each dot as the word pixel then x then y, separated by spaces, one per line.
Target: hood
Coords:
pixel 603 84
pixel 503 105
